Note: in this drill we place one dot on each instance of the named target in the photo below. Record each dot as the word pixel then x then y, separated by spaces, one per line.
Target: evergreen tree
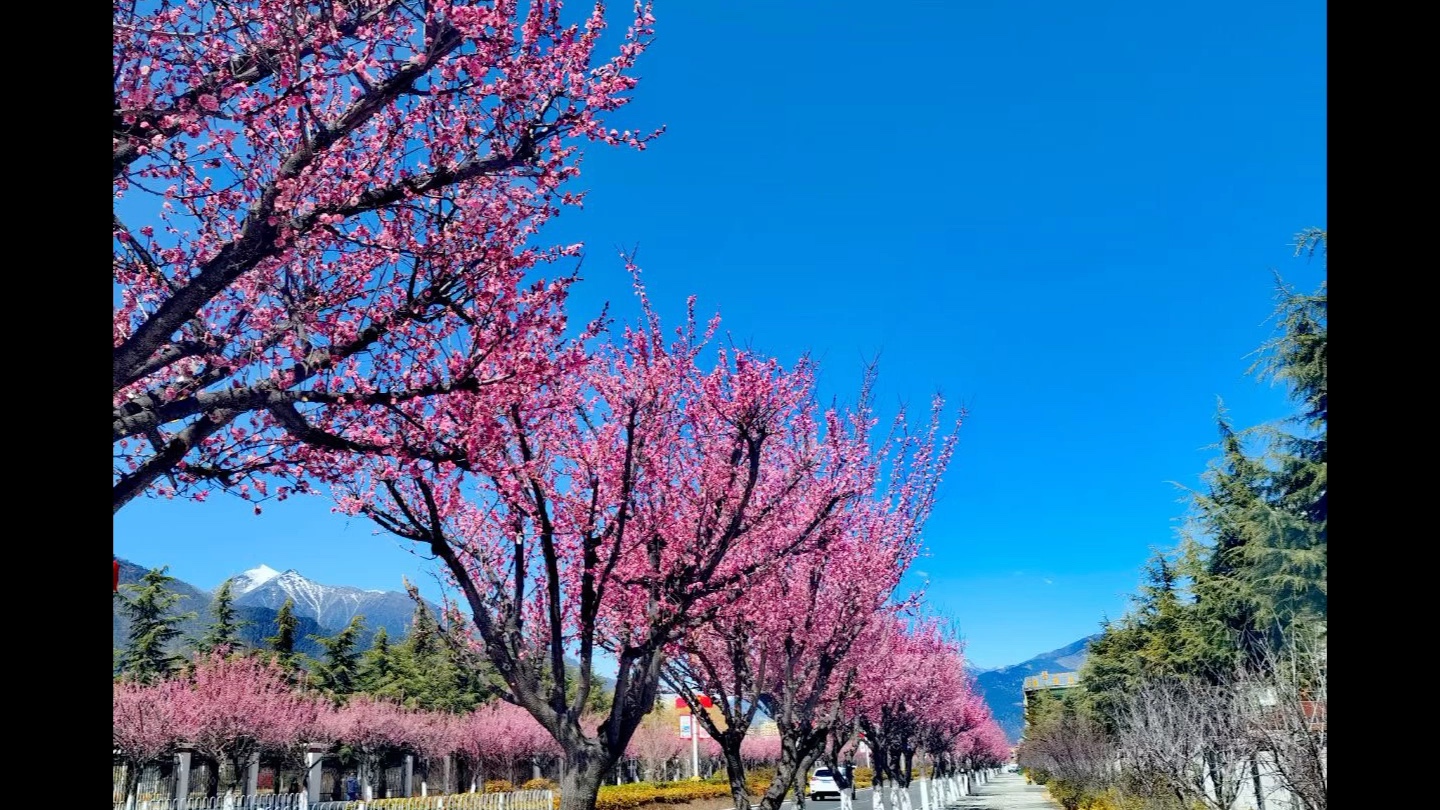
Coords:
pixel 1159 638
pixel 429 676
pixel 147 656
pixel 1253 560
pixel 1294 567
pixel 377 670
pixel 1263 571
pixel 282 644
pixel 433 668
pixel 338 673
pixel 224 631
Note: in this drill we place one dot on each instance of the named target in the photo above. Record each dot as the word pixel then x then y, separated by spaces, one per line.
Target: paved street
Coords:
pixel 1007 791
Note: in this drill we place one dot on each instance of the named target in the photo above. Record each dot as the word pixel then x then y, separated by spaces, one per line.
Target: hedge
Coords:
pixel 637 794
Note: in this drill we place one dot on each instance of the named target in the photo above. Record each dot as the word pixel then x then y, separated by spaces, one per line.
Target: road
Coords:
pixel 1006 791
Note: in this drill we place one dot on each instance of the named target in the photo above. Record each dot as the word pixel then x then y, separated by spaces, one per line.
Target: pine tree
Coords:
pixel 1263 572
pixel 433 668
pixel 282 644
pixel 1294 566
pixel 377 673
pixel 338 674
pixel 427 675
pixel 1159 638
pixel 147 656
pixel 224 632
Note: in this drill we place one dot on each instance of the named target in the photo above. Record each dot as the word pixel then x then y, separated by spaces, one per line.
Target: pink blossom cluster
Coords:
pixel 326 218
pixel 756 749
pixel 233 707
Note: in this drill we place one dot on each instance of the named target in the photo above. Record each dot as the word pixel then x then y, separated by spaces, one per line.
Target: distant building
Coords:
pixel 1057 682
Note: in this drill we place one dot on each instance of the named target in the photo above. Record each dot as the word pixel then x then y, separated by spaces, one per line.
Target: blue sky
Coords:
pixel 1063 218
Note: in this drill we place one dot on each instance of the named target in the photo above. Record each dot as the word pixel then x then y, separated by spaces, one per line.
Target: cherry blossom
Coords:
pixel 326 218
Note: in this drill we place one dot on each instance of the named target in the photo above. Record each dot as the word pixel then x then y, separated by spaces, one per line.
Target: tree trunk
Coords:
pixel 791 764
pixel 735 771
pixel 1255 781
pixel 212 779
pixel 581 773
pixel 132 783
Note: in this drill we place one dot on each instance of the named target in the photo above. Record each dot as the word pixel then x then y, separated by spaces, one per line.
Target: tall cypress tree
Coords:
pixel 147 656
pixel 282 644
pixel 338 673
pixel 224 631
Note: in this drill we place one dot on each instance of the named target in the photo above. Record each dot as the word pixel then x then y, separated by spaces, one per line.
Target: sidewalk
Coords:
pixel 1008 791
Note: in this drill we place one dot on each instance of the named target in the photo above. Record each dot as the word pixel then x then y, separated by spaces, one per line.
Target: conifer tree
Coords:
pixel 282 644
pixel 224 631
pixel 1262 571
pixel 338 673
pixel 148 655
pixel 429 677
pixel 1294 566
pixel 377 669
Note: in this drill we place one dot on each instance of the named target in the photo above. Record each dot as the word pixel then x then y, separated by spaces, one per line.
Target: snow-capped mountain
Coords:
pixel 329 605
pixel 257 623
pixel 250 580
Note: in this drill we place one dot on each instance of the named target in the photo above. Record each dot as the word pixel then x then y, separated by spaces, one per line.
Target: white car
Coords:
pixel 822 784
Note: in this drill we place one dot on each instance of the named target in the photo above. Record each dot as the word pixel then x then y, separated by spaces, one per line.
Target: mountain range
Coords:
pixel 324 610
pixel 1003 687
pixel 321 610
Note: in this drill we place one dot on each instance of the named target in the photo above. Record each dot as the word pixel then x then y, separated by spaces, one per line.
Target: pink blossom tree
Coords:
pixel 231 709
pixel 624 502
pixel 898 691
pixel 947 733
pixel 757 750
pixel 432 736
pixel 146 728
pixel 991 748
pixel 323 218
pixel 786 644
pixel 657 745
pixel 498 737
pixel 372 729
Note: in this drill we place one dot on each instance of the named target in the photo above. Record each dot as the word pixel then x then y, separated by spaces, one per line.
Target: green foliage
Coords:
pixel 1162 636
pixel 1251 569
pixel 147 656
pixel 337 674
pixel 377 667
pixel 224 631
pixel 433 668
pixel 1260 562
pixel 639 794
pixel 282 644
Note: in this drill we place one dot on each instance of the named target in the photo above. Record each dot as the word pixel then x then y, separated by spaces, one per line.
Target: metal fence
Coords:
pixel 518 800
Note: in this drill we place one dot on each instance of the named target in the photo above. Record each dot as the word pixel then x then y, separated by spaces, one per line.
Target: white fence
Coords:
pixel 518 800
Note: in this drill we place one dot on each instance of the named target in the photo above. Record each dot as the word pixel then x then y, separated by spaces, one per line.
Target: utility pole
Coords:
pixel 694 749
